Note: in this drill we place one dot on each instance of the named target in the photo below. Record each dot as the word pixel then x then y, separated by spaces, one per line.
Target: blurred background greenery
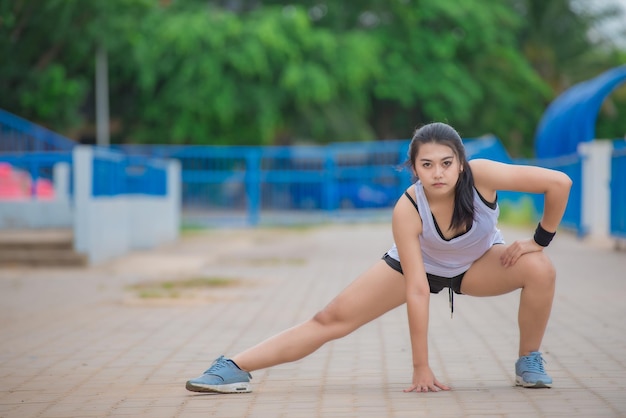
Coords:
pixel 265 72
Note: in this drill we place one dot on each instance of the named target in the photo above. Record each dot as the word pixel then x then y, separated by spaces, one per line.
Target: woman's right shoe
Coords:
pixel 224 376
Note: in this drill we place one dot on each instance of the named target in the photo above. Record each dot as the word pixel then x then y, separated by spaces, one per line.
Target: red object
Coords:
pixel 17 185
pixel 44 189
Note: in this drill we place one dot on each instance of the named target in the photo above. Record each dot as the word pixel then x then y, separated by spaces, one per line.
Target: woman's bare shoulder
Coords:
pixel 405 210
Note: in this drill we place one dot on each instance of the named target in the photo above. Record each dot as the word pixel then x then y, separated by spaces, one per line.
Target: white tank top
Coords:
pixel 449 258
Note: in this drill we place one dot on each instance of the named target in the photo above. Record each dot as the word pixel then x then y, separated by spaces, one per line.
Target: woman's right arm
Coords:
pixel 406 226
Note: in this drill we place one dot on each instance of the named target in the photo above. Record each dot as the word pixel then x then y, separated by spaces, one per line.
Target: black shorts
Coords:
pixel 436 283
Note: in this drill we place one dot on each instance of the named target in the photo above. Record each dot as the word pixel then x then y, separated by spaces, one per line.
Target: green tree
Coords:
pixel 211 76
pixel 559 40
pixel 457 61
pixel 512 58
pixel 48 49
pixel 611 122
pixel 267 72
pixel 444 60
pixel 565 43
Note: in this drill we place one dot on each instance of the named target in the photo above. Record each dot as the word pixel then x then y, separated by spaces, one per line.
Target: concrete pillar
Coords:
pixel 174 196
pixel 596 187
pixel 61 181
pixel 83 184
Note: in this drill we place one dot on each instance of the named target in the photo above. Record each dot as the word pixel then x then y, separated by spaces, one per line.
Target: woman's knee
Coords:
pixel 539 269
pixel 333 322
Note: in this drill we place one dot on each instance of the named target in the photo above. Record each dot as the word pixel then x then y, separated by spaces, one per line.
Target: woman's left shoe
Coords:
pixel 529 372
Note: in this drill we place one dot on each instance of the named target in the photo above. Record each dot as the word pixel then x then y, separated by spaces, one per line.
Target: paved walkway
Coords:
pixel 81 343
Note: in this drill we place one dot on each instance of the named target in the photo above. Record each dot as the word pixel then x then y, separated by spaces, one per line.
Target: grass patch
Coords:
pixel 294 227
pixel 518 213
pixel 274 261
pixel 187 229
pixel 173 289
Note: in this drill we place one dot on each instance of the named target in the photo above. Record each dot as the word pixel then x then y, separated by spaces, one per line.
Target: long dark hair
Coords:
pixel 440 133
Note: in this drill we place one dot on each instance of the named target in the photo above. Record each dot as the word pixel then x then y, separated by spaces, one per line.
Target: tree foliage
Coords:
pixel 462 66
pixel 217 77
pixel 48 54
pixel 273 72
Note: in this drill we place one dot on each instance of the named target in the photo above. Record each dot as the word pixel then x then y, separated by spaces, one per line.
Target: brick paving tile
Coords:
pixel 85 343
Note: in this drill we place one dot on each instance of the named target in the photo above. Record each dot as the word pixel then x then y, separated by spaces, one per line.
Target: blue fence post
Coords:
pixel 253 185
pixel 403 174
pixel 574 208
pixel 618 193
pixel 329 201
pixel 33 168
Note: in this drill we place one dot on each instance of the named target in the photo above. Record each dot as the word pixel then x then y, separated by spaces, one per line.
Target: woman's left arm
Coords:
pixel 491 176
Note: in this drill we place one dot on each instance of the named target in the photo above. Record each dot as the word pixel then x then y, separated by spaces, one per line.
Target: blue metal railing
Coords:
pixel 115 173
pixel 20 135
pixel 618 192
pixel 253 180
pixel 572 166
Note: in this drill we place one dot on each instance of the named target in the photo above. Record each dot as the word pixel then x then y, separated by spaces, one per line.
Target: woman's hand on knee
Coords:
pixel 424 381
pixel 510 256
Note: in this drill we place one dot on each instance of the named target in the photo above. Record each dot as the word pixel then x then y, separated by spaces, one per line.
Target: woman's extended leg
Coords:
pixel 372 294
pixel 533 273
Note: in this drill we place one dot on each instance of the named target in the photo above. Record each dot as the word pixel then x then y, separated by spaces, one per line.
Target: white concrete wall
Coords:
pixel 104 227
pixel 108 232
pixel 154 219
pixel 35 214
pixel 148 222
pixel 109 226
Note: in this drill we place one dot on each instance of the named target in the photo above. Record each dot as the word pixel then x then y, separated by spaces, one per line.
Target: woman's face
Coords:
pixel 438 168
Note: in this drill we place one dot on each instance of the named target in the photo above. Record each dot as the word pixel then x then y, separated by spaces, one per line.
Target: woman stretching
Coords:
pixel 445 234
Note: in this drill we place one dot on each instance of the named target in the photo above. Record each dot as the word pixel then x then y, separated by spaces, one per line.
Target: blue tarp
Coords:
pixel 571 118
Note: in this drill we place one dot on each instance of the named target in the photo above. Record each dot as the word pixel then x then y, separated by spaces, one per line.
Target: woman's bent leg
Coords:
pixel 377 291
pixel 533 273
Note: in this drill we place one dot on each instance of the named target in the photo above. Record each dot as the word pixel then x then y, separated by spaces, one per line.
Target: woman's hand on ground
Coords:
pixel 510 256
pixel 424 381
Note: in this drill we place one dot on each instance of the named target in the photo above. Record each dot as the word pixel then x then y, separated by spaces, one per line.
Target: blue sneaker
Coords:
pixel 224 376
pixel 529 372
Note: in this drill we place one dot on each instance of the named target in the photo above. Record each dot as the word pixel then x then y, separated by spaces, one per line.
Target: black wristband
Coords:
pixel 543 237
